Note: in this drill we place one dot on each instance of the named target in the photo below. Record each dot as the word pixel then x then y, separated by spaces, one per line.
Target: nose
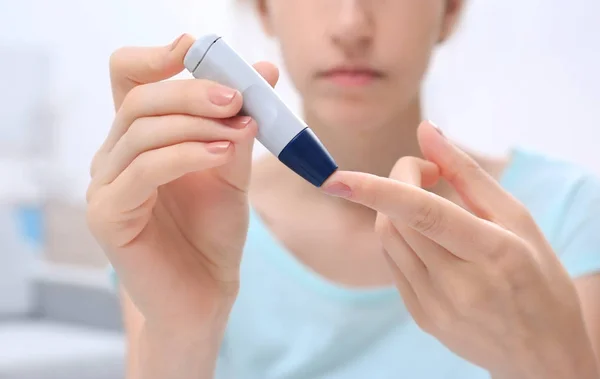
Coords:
pixel 352 29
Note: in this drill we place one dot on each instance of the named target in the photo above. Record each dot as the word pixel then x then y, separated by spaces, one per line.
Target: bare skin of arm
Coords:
pixel 133 321
pixel 588 289
pixel 174 352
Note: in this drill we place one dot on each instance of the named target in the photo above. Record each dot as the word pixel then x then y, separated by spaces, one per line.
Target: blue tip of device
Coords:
pixel 307 157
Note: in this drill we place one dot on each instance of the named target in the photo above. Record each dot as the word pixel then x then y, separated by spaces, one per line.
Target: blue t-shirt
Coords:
pixel 290 323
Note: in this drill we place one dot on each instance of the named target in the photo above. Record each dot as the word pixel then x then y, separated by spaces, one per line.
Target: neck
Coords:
pixel 375 148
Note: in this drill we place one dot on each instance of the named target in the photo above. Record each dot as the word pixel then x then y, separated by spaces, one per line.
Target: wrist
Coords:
pixel 180 350
pixel 187 312
pixel 192 320
pixel 558 361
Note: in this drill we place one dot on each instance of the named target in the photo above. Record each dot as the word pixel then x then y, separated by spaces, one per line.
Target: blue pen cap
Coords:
pixel 306 156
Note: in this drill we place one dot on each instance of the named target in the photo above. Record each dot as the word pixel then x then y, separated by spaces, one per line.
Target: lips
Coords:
pixel 351 76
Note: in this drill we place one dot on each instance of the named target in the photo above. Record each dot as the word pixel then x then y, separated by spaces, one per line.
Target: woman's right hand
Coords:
pixel 168 196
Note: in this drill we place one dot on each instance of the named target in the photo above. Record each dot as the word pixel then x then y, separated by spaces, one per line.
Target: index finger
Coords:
pixel 134 66
pixel 444 222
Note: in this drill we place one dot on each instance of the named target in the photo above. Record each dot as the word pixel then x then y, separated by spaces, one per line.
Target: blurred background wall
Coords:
pixel 54 66
pixel 519 72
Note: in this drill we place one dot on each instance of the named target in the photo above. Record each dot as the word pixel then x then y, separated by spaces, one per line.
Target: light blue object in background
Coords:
pixel 18 259
pixel 30 223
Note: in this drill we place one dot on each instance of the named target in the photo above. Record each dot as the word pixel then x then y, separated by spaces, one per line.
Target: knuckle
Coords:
pixel 502 246
pixel 130 140
pixel 464 297
pixel 515 267
pixel 194 92
pixel 126 62
pixel 115 62
pixel 471 298
pixel 522 217
pixel 428 220
pixel 511 262
pixel 134 97
pixel 184 154
pixel 184 157
pixel 140 168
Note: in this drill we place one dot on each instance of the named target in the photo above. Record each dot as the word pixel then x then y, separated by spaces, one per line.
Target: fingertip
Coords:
pixel 252 128
pixel 338 189
pixel 176 51
pixel 238 122
pixel 431 175
pixel 344 184
pixel 431 140
pixel 337 176
pixel 183 42
pixel 219 147
pixel 227 102
pixel 339 184
pixel 268 71
pixel 429 168
pixel 428 130
pixel 247 133
pixel 235 107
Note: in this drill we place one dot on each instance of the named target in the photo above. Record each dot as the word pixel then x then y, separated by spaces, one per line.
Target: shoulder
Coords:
pixel 564 198
pixel 537 178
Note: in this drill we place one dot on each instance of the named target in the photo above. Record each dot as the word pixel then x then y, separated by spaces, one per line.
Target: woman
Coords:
pixel 415 259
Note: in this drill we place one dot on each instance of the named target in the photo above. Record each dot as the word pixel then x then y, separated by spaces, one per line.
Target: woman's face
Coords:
pixel 358 63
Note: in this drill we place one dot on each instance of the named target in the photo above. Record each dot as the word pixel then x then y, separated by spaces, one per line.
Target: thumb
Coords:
pixel 133 66
pixel 416 171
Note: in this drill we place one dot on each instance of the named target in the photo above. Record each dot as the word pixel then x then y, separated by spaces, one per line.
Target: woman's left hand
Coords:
pixel 485 283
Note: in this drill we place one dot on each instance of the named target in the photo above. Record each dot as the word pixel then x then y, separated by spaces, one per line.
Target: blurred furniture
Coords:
pixel 59 315
pixel 73 332
pixel 24 142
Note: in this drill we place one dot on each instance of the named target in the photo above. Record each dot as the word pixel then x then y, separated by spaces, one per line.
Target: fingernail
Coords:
pixel 338 189
pixel 437 128
pixel 241 122
pixel 173 46
pixel 220 95
pixel 218 147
